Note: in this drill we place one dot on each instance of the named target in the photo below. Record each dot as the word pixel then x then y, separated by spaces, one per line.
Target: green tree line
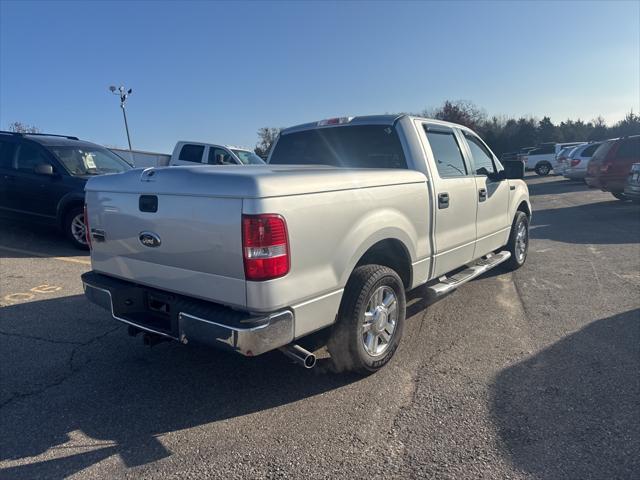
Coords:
pixel 504 134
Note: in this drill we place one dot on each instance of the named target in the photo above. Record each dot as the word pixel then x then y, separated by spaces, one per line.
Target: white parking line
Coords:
pixel 36 254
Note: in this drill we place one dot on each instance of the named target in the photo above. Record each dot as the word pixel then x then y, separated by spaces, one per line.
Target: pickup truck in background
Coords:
pixel 190 153
pixel 142 159
pixel 348 214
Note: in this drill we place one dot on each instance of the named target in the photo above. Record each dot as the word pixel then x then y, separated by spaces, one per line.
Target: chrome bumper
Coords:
pixel 190 320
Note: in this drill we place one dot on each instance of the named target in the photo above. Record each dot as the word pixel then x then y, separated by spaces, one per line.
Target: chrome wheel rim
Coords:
pixel 521 241
pixel 379 321
pixel 544 169
pixel 78 229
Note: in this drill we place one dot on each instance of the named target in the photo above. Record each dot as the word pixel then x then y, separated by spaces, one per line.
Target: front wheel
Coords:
pixel 370 320
pixel 75 228
pixel 518 244
pixel 543 169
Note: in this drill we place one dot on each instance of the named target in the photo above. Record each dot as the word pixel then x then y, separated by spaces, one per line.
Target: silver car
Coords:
pixel 578 160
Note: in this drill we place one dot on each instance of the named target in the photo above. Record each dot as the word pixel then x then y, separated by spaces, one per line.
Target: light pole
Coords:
pixel 124 94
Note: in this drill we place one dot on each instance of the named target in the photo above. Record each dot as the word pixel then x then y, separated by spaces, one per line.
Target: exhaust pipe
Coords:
pixel 299 355
pixel 149 339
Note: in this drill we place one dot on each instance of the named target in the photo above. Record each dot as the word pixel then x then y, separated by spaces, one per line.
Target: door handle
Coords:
pixel 482 194
pixel 443 200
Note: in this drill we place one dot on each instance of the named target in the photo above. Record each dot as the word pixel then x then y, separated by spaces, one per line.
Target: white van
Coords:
pixel 188 153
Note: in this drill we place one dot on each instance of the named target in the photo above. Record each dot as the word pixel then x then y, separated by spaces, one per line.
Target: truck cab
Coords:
pixel 190 153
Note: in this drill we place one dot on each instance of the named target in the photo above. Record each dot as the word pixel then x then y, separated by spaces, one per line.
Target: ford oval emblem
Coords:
pixel 149 239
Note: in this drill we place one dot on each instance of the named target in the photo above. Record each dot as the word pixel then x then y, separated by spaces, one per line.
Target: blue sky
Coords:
pixel 219 71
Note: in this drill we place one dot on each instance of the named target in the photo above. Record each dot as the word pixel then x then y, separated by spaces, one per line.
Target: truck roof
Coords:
pixel 366 120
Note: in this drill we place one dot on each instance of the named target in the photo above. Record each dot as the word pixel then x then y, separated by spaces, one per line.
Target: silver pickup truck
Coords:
pixel 348 214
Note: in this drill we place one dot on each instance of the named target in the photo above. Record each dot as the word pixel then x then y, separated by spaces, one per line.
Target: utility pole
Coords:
pixel 124 94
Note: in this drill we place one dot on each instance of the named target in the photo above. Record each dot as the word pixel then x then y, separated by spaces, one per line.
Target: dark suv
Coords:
pixel 42 178
pixel 611 163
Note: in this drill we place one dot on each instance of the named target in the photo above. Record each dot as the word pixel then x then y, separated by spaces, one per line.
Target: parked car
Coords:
pixel 632 188
pixel 42 179
pixel 348 215
pixel 141 158
pixel 578 159
pixel 562 159
pixel 188 153
pixel 542 159
pixel 610 165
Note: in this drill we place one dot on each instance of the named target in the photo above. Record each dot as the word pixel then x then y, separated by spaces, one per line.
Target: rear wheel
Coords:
pixel 75 228
pixel 370 321
pixel 518 244
pixel 543 169
pixel 620 196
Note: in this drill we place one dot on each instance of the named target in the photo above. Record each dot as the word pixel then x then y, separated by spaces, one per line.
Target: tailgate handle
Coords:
pixel 148 203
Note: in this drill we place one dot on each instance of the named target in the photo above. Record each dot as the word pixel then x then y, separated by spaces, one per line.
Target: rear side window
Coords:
pixel 358 146
pixel 446 152
pixel 6 154
pixel 192 153
pixel 30 156
pixel 588 152
pixel 629 148
pixel 544 150
pixel 482 159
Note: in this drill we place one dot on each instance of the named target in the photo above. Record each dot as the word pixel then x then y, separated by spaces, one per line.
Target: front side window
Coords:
pixel 482 159
pixel 219 156
pixel 248 158
pixel 358 146
pixel 29 157
pixel 191 153
pixel 446 153
pixel 88 160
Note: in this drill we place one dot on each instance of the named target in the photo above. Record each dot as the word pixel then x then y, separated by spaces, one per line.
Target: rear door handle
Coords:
pixel 443 200
pixel 482 194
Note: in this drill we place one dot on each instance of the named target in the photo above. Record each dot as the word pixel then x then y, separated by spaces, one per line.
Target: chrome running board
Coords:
pixel 447 284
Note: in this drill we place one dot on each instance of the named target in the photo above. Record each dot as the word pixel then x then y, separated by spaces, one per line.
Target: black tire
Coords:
pixel 620 196
pixel 69 228
pixel 516 260
pixel 347 341
pixel 543 169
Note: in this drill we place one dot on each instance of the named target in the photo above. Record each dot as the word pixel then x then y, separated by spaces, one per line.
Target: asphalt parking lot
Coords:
pixel 532 374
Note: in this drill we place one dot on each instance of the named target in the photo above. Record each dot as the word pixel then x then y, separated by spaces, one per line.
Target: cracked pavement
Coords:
pixel 532 374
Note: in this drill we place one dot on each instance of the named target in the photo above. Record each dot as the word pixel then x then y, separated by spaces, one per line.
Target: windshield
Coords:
pixel 248 158
pixel 89 160
pixel 362 146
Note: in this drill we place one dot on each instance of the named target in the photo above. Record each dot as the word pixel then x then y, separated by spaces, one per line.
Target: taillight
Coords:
pixel 265 246
pixel 87 232
pixel 575 162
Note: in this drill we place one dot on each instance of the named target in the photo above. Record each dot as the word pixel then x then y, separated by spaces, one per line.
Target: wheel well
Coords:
pixel 65 209
pixel 523 207
pixel 390 253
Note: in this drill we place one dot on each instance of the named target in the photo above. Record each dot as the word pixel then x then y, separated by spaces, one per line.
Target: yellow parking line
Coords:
pixel 36 254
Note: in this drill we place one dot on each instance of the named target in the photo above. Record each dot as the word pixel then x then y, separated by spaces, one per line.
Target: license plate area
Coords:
pixel 147 308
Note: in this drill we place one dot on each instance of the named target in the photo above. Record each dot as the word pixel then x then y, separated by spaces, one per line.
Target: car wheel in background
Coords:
pixel 75 228
pixel 518 244
pixel 620 196
pixel 370 321
pixel 543 169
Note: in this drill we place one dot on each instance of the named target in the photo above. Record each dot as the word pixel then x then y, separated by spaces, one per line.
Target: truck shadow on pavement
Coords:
pixel 74 372
pixel 572 411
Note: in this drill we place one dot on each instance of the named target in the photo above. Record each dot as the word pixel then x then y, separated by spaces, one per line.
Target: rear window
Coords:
pixel 589 151
pixel 544 150
pixel 602 151
pixel 192 153
pixel 361 146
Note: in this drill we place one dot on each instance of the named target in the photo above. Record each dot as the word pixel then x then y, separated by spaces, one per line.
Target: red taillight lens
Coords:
pixel 265 246
pixel 575 162
pixel 87 231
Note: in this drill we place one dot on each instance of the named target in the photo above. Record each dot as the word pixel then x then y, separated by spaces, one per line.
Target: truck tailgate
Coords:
pixel 190 244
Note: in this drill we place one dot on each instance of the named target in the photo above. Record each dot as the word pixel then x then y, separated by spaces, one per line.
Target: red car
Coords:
pixel 611 163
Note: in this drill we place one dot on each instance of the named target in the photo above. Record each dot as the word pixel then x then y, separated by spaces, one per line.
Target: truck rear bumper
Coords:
pixel 187 319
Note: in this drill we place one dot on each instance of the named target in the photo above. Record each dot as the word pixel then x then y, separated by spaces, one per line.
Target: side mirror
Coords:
pixel 44 169
pixel 513 169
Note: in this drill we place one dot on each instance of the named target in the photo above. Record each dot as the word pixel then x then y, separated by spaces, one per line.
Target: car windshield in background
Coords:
pixel 248 158
pixel 89 161
pixel 361 146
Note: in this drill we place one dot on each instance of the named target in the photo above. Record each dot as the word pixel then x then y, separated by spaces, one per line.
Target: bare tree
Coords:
pixel 19 127
pixel 266 137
